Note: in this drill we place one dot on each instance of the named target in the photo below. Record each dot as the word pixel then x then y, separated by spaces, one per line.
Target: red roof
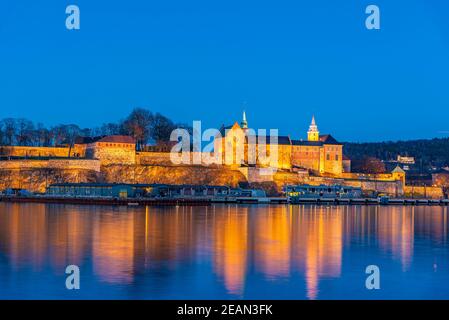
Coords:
pixel 117 139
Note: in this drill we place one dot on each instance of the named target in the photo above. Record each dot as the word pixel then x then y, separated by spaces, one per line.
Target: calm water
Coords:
pixel 252 252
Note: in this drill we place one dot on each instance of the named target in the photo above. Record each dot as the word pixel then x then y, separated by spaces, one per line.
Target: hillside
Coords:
pixel 427 153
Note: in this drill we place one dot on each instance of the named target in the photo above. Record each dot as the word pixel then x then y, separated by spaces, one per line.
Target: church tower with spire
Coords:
pixel 244 123
pixel 313 134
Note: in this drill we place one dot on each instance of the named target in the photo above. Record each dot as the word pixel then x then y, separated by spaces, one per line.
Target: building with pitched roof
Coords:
pixel 115 149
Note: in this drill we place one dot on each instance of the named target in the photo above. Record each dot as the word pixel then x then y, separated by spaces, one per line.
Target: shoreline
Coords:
pixel 107 201
pixel 225 200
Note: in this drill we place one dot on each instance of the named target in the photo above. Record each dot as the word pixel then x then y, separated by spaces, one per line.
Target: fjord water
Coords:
pixel 223 251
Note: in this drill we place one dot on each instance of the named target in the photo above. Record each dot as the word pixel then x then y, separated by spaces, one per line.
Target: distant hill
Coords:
pixel 427 153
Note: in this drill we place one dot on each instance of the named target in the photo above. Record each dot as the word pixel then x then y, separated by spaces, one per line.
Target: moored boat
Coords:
pixel 298 193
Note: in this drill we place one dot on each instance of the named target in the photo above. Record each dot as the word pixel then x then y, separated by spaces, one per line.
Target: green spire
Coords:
pixel 244 123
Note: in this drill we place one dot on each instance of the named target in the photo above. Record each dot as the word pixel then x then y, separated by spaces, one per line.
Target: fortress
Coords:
pixel 317 160
pixel 319 154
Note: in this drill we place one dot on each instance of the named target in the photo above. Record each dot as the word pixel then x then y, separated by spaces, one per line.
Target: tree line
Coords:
pixel 428 154
pixel 143 125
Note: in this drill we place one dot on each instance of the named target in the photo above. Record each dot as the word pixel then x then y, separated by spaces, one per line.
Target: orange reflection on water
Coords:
pixel 68 235
pixel 431 222
pixel 24 235
pixel 170 235
pixel 233 241
pixel 113 247
pixel 272 241
pixel 319 241
pixel 33 233
pixel 395 228
pixel 230 247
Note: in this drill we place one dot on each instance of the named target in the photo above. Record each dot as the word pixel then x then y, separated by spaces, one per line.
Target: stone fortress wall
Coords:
pixel 374 177
pixel 37 175
pixel 38 179
pixel 19 151
pixel 158 167
pixel 112 154
pixel 153 158
pixel 164 158
pixel 390 187
pixel 423 192
pixel 119 162
pixel 195 175
pixel 63 164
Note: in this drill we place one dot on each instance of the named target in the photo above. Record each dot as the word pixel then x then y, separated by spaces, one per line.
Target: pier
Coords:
pixel 207 201
pixel 371 201
pixel 109 201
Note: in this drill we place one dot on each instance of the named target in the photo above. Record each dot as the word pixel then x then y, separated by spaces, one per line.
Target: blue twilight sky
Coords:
pixel 202 60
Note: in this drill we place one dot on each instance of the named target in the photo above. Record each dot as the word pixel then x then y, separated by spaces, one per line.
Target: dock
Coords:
pixel 371 201
pixel 249 200
pixel 207 201
pixel 109 201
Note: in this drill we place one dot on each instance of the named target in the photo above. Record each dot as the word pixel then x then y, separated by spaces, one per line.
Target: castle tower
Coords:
pixel 244 123
pixel 398 174
pixel 313 134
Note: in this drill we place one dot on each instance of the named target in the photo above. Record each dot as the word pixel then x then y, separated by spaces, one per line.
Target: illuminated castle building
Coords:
pixel 321 154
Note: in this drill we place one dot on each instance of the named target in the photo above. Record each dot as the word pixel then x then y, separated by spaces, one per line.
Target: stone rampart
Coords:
pixel 64 164
pixel 21 151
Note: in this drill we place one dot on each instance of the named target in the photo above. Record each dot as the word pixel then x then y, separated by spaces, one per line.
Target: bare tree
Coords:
pixel 161 128
pixel 9 130
pixel 42 136
pixel 110 129
pixel 185 126
pixel 72 131
pixel 86 132
pixel 2 136
pixel 25 130
pixel 57 134
pixel 138 125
